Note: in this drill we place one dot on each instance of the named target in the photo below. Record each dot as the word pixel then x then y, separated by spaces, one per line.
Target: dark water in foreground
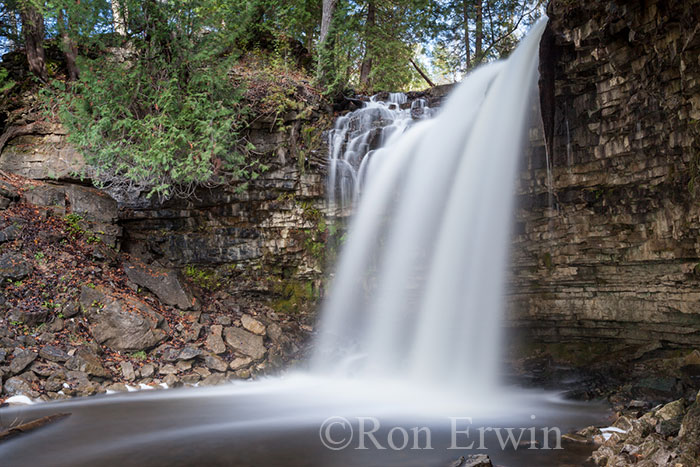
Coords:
pixel 261 425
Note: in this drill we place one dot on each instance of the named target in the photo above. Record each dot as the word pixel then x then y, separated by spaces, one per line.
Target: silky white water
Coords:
pixel 360 135
pixel 419 288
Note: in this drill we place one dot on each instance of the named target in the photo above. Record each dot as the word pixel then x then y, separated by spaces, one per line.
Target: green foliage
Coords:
pixel 203 278
pixel 140 355
pixel 5 83
pixel 295 296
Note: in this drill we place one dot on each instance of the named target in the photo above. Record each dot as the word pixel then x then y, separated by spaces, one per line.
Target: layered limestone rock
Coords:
pixel 606 244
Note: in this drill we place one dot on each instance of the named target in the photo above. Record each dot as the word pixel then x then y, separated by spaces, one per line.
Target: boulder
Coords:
pixel 164 283
pixel 10 233
pixel 16 386
pixel 21 360
pixel 215 342
pixel 253 325
pixel 245 342
pixel 121 323
pixel 48 196
pixel 30 318
pixel 13 266
pixel 128 371
pixel 215 363
pixel 53 353
pixel 88 362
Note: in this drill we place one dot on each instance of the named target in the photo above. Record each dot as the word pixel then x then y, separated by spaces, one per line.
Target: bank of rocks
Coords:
pixel 79 318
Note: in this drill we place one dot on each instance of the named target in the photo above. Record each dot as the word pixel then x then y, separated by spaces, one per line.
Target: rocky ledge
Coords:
pixel 79 318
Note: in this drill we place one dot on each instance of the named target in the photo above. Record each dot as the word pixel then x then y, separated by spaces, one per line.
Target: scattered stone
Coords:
pixel 172 381
pixel 239 363
pixel 215 363
pixel 21 360
pixel 224 320
pixel 16 386
pixel 671 410
pixel 214 341
pixel 53 353
pixel 191 378
pixel 253 325
pixel 245 342
pixel 124 324
pixel 168 369
pixel 170 354
pixel 164 283
pixel 10 233
pixel 188 353
pixel 147 370
pixel 88 362
pixel 191 333
pixel 128 371
pixel 274 332
pixel 70 309
pixel 575 438
pixel 117 387
pixel 183 365
pixel 214 380
pixel 45 369
pixel 30 318
pixel 13 266
pixel 201 371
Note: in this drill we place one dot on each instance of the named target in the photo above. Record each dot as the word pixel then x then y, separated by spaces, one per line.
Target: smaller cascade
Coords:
pixel 359 136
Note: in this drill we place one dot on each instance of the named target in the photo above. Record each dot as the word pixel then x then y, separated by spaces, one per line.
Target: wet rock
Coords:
pixel 13 266
pixel 21 360
pixel 164 283
pixel 172 381
pixel 253 325
pixel 213 380
pixel 274 332
pixel 245 342
pixel 128 371
pixel 122 323
pixel 117 387
pixel 215 342
pixel 215 363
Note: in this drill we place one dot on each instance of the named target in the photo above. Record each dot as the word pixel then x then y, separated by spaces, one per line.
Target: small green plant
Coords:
pixel 16 323
pixel 204 278
pixel 73 224
pixel 91 285
pixel 39 256
pixel 140 355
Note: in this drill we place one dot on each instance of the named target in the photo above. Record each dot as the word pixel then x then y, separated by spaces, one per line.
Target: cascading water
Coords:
pixel 359 135
pixel 430 236
pixel 410 333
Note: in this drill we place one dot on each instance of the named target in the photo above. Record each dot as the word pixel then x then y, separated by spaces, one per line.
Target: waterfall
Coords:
pixel 358 136
pixel 419 287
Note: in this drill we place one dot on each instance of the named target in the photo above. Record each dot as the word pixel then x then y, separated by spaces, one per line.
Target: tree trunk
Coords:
pixel 478 32
pixel 326 18
pixel 467 45
pixel 70 50
pixel 366 67
pixel 422 73
pixel 326 55
pixel 33 31
pixel 118 18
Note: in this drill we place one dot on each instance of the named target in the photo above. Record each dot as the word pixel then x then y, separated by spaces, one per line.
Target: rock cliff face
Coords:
pixel 267 240
pixel 606 244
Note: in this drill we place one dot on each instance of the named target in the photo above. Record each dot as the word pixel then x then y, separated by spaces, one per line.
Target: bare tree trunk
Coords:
pixel 366 67
pixel 467 45
pixel 422 73
pixel 326 18
pixel 70 50
pixel 478 32
pixel 33 31
pixel 118 18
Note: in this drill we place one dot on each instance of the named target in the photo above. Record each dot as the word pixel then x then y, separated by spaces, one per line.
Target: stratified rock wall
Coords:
pixel 612 251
